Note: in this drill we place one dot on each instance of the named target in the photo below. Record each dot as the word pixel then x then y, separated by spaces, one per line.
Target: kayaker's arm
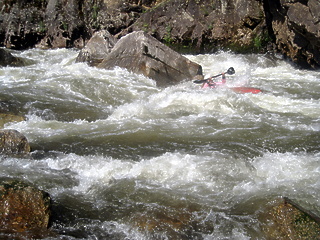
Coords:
pixel 230 71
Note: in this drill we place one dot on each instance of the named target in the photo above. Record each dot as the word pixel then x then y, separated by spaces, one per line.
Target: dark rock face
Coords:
pixel 21 23
pixel 206 26
pixel 13 142
pixel 143 54
pixel 296 26
pixel 198 26
pixel 64 23
pixel 59 23
pixel 23 207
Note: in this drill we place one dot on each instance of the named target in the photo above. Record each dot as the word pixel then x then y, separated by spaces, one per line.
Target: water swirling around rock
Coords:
pixel 121 157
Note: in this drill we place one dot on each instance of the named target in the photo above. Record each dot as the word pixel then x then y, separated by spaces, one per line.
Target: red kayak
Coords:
pixel 235 89
pixel 209 83
pixel 246 90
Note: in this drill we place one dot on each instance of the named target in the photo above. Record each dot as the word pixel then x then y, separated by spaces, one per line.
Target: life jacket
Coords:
pixel 211 84
pixel 208 84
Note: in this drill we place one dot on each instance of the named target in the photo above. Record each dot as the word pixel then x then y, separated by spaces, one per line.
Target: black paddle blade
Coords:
pixel 200 81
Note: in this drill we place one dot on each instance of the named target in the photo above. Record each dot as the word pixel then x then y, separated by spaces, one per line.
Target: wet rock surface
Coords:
pixel 142 54
pixel 296 28
pixel 288 220
pixel 13 143
pixel 22 207
pixel 7 117
pixel 97 48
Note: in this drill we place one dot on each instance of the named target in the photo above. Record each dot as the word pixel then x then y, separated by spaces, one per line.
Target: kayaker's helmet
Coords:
pixel 231 71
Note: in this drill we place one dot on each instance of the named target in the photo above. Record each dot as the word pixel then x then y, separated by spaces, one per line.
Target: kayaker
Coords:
pixel 211 84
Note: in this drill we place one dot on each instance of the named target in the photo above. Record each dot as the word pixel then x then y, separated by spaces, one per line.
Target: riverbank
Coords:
pixel 289 28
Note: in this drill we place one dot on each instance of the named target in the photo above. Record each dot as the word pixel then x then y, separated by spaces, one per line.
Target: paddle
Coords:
pixel 230 71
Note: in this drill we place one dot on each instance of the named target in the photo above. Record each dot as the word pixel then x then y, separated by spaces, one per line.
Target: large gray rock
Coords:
pixel 143 54
pixel 97 48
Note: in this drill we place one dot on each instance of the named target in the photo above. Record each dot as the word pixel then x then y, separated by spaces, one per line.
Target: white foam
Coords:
pixel 282 174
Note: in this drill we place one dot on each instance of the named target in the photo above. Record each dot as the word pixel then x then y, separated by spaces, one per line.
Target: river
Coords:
pixel 125 159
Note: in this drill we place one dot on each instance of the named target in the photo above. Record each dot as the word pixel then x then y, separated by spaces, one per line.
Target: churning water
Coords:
pixel 124 159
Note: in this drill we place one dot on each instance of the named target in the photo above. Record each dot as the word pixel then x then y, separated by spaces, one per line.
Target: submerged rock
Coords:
pixel 13 143
pixel 177 223
pixel 7 117
pixel 142 54
pixel 23 207
pixel 288 220
pixel 7 59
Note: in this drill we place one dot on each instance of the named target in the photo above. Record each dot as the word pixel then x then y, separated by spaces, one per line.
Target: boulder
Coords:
pixel 23 207
pixel 13 143
pixel 142 54
pixel 7 59
pixel 97 48
pixel 289 220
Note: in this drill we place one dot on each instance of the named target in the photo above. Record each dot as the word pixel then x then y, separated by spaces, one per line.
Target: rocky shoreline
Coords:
pixel 188 26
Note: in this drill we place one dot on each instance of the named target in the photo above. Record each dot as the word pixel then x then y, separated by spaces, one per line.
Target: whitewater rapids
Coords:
pixel 124 159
